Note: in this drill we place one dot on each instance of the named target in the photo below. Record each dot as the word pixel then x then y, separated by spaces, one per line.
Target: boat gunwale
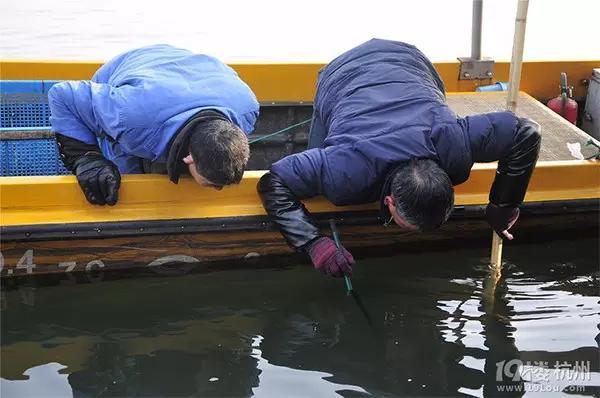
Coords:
pixel 255 223
pixel 280 82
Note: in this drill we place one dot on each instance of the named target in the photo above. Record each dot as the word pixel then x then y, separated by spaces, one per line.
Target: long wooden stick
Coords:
pixel 512 98
pixel 516 61
pixel 496 256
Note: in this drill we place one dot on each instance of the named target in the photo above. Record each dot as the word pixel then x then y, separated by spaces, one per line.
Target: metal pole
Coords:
pixel 476 29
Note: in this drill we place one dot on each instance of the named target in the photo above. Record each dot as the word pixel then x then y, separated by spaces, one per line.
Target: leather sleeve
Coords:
pixel 515 169
pixel 287 212
pixel 71 150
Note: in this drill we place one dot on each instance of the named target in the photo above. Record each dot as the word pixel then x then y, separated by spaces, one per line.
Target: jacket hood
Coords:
pixel 179 147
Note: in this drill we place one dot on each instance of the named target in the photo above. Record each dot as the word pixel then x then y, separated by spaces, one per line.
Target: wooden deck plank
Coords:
pixel 556 131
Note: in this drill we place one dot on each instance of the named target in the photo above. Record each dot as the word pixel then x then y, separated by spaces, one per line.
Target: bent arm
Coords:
pixel 515 143
pixel 287 211
pixel 71 111
pixel 82 109
pixel 291 179
pixel 515 169
pixel 72 150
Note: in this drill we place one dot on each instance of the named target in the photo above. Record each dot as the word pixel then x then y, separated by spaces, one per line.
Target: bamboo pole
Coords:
pixel 496 256
pixel 511 101
pixel 516 61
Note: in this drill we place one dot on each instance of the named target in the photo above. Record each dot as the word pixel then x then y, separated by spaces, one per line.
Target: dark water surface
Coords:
pixel 289 332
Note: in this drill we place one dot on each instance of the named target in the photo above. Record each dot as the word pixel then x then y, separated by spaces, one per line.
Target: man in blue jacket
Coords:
pixel 154 105
pixel 382 130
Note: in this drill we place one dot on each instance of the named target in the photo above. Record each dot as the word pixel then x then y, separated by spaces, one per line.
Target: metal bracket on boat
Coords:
pixel 475 67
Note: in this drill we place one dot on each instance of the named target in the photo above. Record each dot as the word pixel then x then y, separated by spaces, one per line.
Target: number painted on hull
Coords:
pixel 26 262
pixel 67 265
pixel 90 265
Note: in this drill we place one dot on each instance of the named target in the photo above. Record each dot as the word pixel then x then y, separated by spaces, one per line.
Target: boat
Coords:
pixel 47 227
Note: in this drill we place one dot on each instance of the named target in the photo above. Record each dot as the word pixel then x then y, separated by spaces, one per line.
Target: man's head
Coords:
pixel 421 196
pixel 218 153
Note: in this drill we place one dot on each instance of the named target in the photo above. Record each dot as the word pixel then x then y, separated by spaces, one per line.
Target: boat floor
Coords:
pixel 556 131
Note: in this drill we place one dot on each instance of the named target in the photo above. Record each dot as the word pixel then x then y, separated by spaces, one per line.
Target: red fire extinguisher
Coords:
pixel 564 105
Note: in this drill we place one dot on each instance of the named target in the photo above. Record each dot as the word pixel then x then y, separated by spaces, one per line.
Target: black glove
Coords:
pixel 501 219
pixel 98 177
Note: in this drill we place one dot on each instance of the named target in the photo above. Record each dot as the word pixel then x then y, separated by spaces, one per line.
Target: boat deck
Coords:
pixel 556 131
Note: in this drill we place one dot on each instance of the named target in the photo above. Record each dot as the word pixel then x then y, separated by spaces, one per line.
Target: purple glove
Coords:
pixel 501 219
pixel 330 260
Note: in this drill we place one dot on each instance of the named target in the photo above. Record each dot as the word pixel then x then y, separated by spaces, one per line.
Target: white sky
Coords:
pixel 298 31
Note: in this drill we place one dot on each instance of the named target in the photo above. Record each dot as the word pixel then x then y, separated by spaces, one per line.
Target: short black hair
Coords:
pixel 220 151
pixel 423 194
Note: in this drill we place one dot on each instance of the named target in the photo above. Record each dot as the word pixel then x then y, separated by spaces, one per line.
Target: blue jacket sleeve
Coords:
pixel 301 172
pixel 83 109
pixel 310 173
pixel 340 174
pixel 491 135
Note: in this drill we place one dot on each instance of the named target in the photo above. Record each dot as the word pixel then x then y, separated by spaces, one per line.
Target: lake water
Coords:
pixel 310 30
pixel 286 331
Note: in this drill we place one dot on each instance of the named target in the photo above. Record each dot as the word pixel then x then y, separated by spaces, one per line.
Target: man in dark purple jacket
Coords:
pixel 382 130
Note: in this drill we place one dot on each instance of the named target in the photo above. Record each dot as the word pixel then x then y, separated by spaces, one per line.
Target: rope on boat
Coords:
pixel 288 128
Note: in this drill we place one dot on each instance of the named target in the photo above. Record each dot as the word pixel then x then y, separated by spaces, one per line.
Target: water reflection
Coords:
pixel 281 381
pixel 42 381
pixel 286 331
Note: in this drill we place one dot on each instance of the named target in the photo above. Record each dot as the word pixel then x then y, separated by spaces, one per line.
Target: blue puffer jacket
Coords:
pixel 380 104
pixel 136 102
